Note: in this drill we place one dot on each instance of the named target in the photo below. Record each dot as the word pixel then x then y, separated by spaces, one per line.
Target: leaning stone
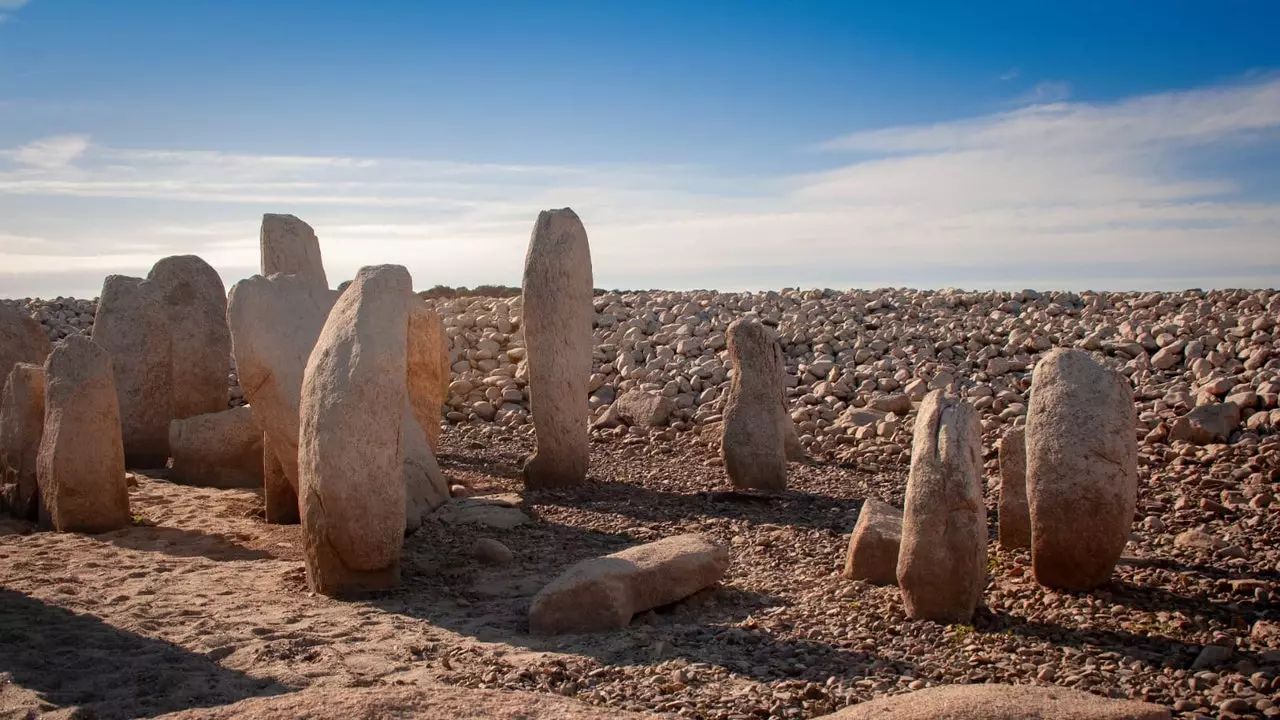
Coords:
pixel 873 546
pixel 350 450
pixel 1207 424
pixel 1000 702
pixel 604 593
pixel 275 322
pixel 1082 470
pixel 752 442
pixel 1015 517
pixel 221 449
pixel 132 326
pixel 194 301
pixel 428 363
pixel 21 340
pixel 942 564
pixel 558 314
pixel 81 463
pixel 21 425
pixel 289 246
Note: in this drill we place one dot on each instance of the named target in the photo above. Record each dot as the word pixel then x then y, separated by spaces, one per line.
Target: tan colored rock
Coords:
pixel 942 563
pixel 350 453
pixel 873 546
pixel 279 498
pixel 132 326
pixel 222 449
pixel 1015 516
pixel 1207 424
pixel 275 322
pixel 289 246
pixel 429 373
pixel 638 408
pixel 21 425
pixel 558 315
pixel 1000 702
pixel 425 486
pixel 1082 461
pixel 791 445
pixel 604 593
pixel 194 301
pixel 81 463
pixel 21 340
pixel 753 440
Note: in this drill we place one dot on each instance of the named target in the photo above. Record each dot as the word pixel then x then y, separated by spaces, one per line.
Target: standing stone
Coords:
pixel 429 371
pixel 942 564
pixel 1082 469
pixel 81 463
pixel 279 498
pixel 21 339
pixel 425 488
pixel 791 444
pixel 558 314
pixel 222 449
pixel 194 302
pixel 1015 517
pixel 753 441
pixel 275 322
pixel 289 246
pixel 873 546
pixel 21 425
pixel 131 325
pixel 351 456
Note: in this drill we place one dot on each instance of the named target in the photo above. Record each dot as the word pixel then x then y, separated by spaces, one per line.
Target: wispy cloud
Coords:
pixel 1065 194
pixel 8 6
pixel 1012 73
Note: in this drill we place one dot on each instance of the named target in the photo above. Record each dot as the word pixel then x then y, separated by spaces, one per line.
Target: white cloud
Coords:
pixel 1064 194
pixel 1011 74
pixel 12 4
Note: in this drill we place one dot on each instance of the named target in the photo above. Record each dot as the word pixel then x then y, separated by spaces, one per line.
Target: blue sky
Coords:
pixel 705 144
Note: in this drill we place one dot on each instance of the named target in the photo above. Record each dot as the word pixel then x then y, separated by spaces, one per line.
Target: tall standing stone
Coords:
pixel 350 458
pixel 753 444
pixel 942 563
pixel 1015 516
pixel 21 339
pixel 289 246
pixel 81 463
pixel 791 444
pixel 558 315
pixel 1082 469
pixel 132 326
pixel 21 425
pixel 194 302
pixel 429 371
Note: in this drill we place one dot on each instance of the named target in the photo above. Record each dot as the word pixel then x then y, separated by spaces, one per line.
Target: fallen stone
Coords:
pixel 1206 424
pixel 221 449
pixel 638 407
pixel 1015 515
pixel 488 550
pixel 604 593
pixel 1000 702
pixel 1211 656
pixel 80 467
pixel 21 426
pixel 873 546
pixel 501 512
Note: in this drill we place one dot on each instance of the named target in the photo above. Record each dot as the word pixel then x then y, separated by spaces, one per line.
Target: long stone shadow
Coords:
pixel 178 542
pixel 452 591
pixel 71 659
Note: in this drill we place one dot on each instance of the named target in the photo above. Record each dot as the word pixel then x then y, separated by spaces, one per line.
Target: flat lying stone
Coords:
pixel 873 546
pixel 220 449
pixel 1000 702
pixel 604 593
pixel 1206 424
pixel 495 511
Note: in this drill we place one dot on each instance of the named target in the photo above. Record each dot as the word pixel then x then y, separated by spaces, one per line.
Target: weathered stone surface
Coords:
pixel 942 563
pixel 488 550
pixel 21 340
pixel 221 449
pixel 133 327
pixel 557 334
pixel 753 441
pixel 873 546
pixel 424 485
pixel 21 425
pixel 428 363
pixel 792 448
pixel 351 455
pixel 604 593
pixel 1000 702
pixel 289 246
pixel 501 512
pixel 194 302
pixel 279 497
pixel 275 322
pixel 638 407
pixel 81 463
pixel 1015 516
pixel 1082 461
pixel 1207 424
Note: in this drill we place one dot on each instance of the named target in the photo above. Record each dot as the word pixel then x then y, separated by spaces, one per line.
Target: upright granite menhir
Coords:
pixel 194 302
pixel 289 246
pixel 354 401
pixel 21 425
pixel 21 340
pixel 1082 469
pixel 558 315
pixel 754 441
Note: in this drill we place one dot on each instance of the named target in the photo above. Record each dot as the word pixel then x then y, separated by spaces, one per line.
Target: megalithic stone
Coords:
pixel 754 441
pixel 289 246
pixel 558 314
pixel 21 426
pixel 194 302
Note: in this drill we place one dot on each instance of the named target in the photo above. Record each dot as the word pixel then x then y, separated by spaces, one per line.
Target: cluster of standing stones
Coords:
pixel 345 390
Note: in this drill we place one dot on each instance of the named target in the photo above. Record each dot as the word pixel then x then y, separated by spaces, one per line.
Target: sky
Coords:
pixel 728 144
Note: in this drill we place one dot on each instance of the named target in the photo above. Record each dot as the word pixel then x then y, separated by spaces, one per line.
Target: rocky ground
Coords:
pixel 1191 620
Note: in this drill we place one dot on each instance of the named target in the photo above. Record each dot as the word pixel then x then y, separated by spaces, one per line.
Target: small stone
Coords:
pixel 491 551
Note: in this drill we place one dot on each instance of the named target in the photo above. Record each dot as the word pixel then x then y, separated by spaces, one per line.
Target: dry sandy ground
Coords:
pixel 201 604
